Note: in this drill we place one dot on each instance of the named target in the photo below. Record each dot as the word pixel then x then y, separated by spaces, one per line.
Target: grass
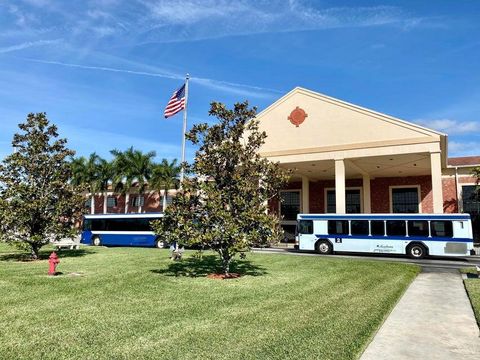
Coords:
pixel 131 303
pixel 473 289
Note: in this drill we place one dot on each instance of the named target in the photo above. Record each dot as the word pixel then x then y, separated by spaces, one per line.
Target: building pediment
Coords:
pixel 305 121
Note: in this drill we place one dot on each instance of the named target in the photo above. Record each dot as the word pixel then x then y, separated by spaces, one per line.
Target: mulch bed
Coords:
pixel 223 276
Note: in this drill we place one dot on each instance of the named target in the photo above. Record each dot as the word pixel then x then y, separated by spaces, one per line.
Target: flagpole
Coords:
pixel 182 170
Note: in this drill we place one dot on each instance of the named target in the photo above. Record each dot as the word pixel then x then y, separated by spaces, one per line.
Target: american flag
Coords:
pixel 176 102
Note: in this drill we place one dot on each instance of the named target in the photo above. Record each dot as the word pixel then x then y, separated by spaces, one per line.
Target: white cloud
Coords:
pixel 28 44
pixel 197 20
pixel 188 12
pixel 451 127
pixel 463 148
pixel 162 21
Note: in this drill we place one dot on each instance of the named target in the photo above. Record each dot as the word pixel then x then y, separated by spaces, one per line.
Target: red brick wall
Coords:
pixel 466 180
pixel 380 196
pixel 449 195
pixel 153 203
pixel 380 193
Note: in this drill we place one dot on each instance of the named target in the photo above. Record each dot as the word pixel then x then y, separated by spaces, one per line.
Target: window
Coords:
pixel 87 225
pixel 377 227
pixel 305 227
pixel 290 204
pixel 396 228
pixel 111 201
pixel 470 199
pixel 98 225
pixel 138 201
pixel 418 228
pixel 471 205
pixel 405 200
pixel 88 203
pixel 169 199
pixel 127 225
pixel 338 227
pixel 352 201
pixel 359 227
pixel 441 228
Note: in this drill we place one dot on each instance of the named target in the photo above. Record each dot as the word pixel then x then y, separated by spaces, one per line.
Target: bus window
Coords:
pixel 417 228
pixel 377 227
pixel 396 228
pixel 98 224
pixel 305 227
pixel 87 225
pixel 441 228
pixel 359 227
pixel 338 227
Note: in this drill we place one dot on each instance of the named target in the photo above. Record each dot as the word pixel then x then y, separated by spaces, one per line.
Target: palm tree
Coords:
pixel 164 178
pixel 121 182
pixel 132 167
pixel 105 174
pixel 85 172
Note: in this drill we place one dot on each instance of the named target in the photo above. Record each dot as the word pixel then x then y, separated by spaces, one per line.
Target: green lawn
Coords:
pixel 473 289
pixel 131 303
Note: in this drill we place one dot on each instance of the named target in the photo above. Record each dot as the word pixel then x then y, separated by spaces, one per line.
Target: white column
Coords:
pixel 367 204
pixel 340 186
pixel 305 195
pixel 436 170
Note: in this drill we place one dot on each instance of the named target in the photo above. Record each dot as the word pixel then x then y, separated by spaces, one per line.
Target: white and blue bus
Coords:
pixel 121 230
pixel 415 235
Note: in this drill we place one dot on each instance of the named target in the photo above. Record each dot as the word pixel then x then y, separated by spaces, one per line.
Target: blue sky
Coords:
pixel 103 70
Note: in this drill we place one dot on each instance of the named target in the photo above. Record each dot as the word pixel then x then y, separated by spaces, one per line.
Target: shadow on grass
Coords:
pixel 44 254
pixel 208 264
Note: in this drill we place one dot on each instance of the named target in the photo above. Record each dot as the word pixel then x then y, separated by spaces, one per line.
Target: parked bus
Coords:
pixel 121 230
pixel 416 235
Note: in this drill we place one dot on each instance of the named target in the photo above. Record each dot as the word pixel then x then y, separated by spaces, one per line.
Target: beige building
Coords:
pixel 347 159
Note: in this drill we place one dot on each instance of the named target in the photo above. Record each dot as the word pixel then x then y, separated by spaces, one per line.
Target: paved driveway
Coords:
pixel 430 264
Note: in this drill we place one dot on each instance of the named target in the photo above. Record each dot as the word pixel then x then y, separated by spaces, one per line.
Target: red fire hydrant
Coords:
pixel 53 260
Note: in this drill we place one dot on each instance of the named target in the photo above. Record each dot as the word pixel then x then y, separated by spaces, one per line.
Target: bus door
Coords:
pixel 304 235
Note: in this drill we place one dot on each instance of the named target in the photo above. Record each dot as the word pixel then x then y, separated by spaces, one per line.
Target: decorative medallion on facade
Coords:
pixel 297 116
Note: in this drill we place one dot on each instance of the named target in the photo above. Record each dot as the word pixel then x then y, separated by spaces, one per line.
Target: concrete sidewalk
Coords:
pixel 433 320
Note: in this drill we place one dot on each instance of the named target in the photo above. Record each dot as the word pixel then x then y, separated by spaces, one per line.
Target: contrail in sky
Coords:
pixel 26 45
pixel 216 84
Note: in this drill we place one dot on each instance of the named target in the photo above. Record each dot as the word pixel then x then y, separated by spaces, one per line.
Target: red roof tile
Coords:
pixel 464 161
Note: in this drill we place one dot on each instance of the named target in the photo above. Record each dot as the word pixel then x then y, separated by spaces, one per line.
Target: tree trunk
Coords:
pixel 226 259
pixel 164 203
pixel 127 200
pixel 34 250
pixel 92 204
pixel 105 202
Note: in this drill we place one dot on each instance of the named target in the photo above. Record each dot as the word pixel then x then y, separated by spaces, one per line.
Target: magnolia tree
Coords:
pixel 476 174
pixel 37 201
pixel 223 203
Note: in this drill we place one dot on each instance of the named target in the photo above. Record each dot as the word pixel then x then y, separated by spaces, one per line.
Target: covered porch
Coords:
pixel 368 184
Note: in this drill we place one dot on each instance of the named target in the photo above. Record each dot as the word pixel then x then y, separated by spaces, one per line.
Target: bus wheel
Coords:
pixel 324 247
pixel 159 244
pixel 96 241
pixel 416 251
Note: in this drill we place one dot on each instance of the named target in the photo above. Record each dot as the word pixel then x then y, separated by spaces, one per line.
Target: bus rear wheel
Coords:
pixel 416 251
pixel 324 247
pixel 159 244
pixel 96 241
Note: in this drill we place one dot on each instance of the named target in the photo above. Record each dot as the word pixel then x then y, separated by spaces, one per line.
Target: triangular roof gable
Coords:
pixel 332 122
